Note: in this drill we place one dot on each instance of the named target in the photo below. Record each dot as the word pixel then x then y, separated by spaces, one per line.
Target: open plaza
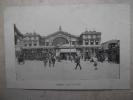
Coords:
pixel 65 70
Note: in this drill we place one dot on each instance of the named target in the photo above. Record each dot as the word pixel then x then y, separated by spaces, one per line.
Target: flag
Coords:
pixel 17 34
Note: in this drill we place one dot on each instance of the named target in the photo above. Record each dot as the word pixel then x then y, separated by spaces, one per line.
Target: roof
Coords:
pixel 91 32
pixel 31 34
pixel 60 32
pixel 111 41
pixel 105 44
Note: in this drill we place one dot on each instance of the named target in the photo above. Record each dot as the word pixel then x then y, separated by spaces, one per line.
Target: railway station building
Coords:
pixel 61 43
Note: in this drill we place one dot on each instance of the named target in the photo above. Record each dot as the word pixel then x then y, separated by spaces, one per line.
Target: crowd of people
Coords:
pixel 70 57
pixel 51 59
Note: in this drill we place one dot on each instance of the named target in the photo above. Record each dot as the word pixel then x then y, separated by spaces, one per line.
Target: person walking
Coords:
pixel 59 58
pixel 95 62
pixel 45 62
pixel 91 60
pixel 71 57
pixel 67 57
pixel 53 60
pixel 78 62
pixel 50 60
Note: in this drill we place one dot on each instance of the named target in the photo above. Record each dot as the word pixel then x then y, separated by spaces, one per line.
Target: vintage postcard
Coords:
pixel 68 46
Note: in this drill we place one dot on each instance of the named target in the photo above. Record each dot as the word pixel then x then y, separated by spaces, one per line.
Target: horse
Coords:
pixel 21 60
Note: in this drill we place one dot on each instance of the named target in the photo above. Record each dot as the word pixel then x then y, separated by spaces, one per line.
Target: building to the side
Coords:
pixel 89 41
pixel 31 40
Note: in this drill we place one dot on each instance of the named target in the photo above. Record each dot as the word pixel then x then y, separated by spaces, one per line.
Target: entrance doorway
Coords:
pixel 66 55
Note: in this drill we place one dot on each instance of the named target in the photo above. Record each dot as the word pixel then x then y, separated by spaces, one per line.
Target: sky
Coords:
pixel 112 20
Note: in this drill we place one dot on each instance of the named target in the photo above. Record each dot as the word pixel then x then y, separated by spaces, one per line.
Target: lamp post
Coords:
pixel 75 47
pixel 70 46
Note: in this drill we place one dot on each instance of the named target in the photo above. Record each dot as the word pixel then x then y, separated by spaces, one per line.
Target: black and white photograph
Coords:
pixel 68 42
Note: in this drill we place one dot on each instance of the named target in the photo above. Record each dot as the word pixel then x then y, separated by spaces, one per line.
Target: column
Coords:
pixel 83 42
pixel 88 52
pixel 94 42
pixel 56 52
pixel 94 51
pixel 99 42
pixel 88 42
pixel 37 43
pixel 59 52
pixel 91 52
pixel 83 52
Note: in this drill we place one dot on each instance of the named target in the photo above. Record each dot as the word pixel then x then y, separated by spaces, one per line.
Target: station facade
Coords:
pixel 61 43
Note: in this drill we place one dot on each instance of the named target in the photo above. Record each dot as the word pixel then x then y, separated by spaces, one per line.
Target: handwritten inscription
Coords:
pixel 77 84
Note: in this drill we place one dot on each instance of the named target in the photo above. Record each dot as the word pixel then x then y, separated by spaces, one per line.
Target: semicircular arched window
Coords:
pixel 60 41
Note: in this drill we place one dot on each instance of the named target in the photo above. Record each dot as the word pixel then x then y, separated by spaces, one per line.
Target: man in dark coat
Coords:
pixel 53 60
pixel 45 61
pixel 78 62
pixel 50 60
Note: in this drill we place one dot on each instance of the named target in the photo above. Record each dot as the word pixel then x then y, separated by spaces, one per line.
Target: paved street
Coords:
pixel 64 70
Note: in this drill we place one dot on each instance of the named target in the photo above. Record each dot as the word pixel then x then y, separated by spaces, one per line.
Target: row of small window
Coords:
pixel 92 36
pixel 91 42
pixel 31 38
pixel 30 44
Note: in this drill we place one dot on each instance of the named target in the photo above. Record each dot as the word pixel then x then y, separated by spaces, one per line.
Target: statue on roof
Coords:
pixel 34 32
pixel 60 28
pixel 86 30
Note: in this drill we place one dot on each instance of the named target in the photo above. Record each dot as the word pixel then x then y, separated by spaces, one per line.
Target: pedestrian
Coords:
pixel 67 57
pixel 75 58
pixel 71 57
pixel 45 62
pixel 64 57
pixel 95 62
pixel 91 60
pixel 59 58
pixel 50 60
pixel 102 57
pixel 53 60
pixel 78 62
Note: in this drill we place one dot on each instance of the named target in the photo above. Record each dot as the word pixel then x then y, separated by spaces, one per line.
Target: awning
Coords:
pixel 67 50
pixel 38 47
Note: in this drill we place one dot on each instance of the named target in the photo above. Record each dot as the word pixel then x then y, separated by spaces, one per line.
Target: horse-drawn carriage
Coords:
pixel 21 59
pixel 113 52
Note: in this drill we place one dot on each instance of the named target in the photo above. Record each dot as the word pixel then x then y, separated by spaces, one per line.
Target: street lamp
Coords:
pixel 70 46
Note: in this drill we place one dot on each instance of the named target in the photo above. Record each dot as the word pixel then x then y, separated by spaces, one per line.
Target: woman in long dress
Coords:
pixel 95 62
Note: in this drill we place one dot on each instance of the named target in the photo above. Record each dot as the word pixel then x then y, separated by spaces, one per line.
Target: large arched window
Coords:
pixel 59 41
